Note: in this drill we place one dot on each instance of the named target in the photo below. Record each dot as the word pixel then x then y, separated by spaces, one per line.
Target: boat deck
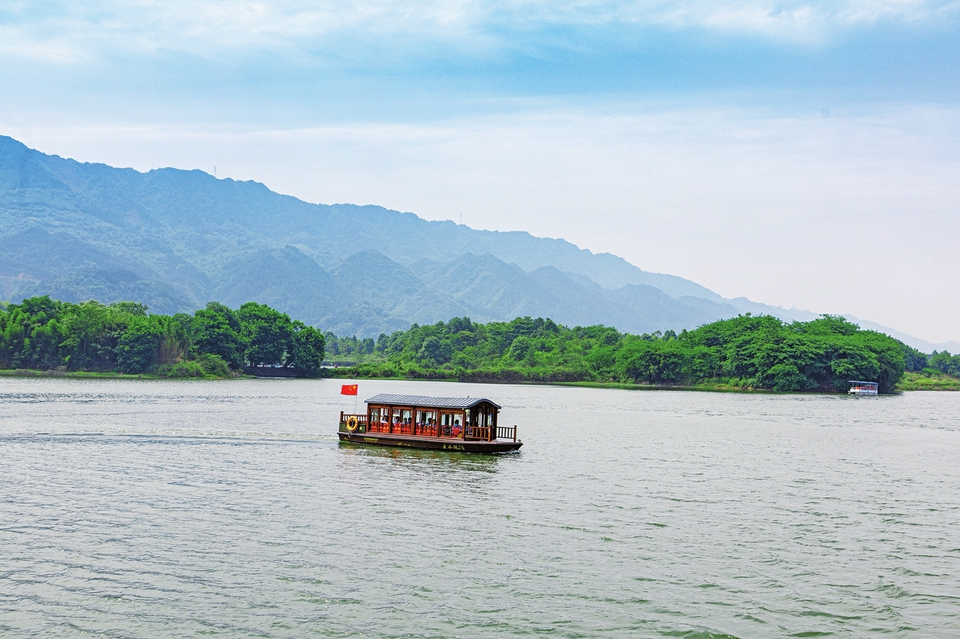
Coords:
pixel 431 443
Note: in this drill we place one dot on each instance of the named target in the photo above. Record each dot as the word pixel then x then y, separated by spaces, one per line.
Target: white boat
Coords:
pixel 863 388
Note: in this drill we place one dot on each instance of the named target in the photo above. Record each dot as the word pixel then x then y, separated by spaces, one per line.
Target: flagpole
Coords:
pixel 352 389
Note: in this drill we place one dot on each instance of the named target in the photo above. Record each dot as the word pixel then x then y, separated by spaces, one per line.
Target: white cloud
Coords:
pixel 785 17
pixel 69 30
pixel 17 43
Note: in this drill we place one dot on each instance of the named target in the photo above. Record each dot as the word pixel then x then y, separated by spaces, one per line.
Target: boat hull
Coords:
pixel 429 443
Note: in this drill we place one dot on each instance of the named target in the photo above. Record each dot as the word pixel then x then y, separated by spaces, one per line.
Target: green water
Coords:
pixel 187 509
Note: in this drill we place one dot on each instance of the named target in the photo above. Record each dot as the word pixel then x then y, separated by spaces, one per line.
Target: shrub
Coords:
pixel 214 365
pixel 182 370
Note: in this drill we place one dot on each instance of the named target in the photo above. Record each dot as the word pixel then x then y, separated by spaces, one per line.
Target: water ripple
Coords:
pixel 144 509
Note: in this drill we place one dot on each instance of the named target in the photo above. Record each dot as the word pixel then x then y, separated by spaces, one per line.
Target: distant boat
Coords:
pixel 462 424
pixel 863 388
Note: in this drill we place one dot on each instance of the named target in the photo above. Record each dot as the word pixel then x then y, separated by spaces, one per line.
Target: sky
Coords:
pixel 801 154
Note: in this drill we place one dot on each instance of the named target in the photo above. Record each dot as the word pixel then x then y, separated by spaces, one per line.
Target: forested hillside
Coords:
pixel 744 352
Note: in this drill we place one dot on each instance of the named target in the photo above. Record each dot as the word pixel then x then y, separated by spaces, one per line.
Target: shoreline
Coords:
pixel 916 383
pixel 29 372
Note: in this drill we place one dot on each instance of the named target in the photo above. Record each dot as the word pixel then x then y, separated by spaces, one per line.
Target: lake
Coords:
pixel 184 509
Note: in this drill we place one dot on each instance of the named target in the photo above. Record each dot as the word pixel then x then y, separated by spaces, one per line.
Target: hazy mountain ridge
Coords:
pixel 175 239
pixel 190 237
pixel 252 216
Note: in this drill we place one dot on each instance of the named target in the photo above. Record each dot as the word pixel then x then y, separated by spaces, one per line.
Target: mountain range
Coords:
pixel 175 239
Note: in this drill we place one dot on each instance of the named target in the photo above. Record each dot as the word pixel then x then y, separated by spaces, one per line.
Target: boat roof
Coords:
pixel 857 381
pixel 428 402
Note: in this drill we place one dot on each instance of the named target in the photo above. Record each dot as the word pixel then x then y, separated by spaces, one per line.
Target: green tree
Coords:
pixel 175 345
pixel 434 351
pixel 43 346
pixel 131 308
pixel 92 332
pixel 32 334
pixel 519 348
pixel 914 361
pixel 654 363
pixel 268 334
pixel 216 329
pixel 308 350
pixel 138 349
pixel 946 363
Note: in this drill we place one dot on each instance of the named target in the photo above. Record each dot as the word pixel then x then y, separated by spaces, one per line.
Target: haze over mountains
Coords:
pixel 176 239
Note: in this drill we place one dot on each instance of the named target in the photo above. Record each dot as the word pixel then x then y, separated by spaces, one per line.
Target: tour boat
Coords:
pixel 863 388
pixel 467 424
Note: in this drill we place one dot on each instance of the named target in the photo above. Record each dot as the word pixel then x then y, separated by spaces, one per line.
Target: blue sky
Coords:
pixel 764 149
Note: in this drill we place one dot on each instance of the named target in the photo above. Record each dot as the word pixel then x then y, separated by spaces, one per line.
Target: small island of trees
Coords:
pixel 746 352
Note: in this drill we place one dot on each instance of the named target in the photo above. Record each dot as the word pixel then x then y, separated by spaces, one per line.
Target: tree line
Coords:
pixel 945 363
pixel 747 352
pixel 46 334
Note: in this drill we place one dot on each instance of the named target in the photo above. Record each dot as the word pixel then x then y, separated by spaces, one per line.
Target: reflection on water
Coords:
pixel 143 509
pixel 429 461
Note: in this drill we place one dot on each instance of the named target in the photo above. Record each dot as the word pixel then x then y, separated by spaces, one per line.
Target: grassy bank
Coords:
pixel 928 380
pixel 24 372
pixel 720 387
pixel 190 374
pixel 717 388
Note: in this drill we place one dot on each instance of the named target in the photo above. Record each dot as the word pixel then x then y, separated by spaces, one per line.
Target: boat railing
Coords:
pixel 477 432
pixel 474 433
pixel 401 428
pixel 361 422
pixel 426 430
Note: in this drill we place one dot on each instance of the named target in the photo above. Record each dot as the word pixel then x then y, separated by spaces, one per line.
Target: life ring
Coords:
pixel 352 423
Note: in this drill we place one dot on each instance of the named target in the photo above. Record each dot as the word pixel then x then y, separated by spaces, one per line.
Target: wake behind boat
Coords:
pixel 440 423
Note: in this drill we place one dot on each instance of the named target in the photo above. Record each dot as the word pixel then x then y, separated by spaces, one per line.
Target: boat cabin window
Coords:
pixel 426 417
pixel 380 419
pixel 451 424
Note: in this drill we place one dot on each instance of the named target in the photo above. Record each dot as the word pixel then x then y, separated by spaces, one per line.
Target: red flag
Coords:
pixel 348 389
